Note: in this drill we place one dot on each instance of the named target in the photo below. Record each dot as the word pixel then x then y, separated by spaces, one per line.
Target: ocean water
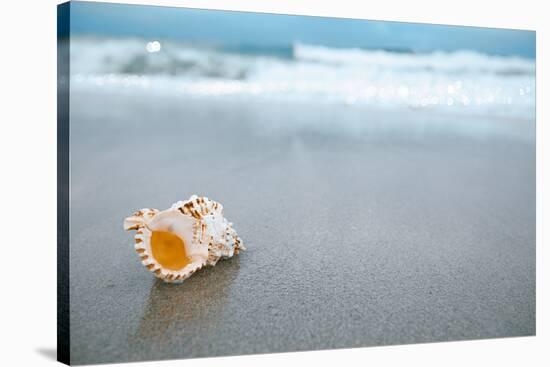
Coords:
pixel 460 81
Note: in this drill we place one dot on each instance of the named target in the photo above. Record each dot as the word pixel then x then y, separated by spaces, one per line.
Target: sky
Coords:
pixel 266 30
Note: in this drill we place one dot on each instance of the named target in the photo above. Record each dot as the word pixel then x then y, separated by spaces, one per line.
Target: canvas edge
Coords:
pixel 63 72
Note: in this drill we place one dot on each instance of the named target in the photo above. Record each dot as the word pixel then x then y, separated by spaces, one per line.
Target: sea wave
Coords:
pixel 459 80
pixel 463 61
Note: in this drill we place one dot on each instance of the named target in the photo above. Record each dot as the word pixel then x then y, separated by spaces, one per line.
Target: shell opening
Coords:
pixel 169 250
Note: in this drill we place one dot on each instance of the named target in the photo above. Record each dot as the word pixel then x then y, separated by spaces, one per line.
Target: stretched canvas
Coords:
pixel 235 183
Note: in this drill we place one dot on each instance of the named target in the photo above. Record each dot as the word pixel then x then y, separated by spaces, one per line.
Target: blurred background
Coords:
pixel 191 52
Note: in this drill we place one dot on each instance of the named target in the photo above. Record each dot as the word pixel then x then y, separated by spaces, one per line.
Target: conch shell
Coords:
pixel 175 243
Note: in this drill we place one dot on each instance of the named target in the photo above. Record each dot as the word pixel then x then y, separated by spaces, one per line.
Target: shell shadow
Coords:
pixel 197 303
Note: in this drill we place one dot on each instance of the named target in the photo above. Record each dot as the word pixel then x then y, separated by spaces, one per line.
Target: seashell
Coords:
pixel 175 243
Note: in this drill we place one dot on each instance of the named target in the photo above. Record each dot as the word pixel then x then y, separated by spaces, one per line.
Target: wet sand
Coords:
pixel 363 227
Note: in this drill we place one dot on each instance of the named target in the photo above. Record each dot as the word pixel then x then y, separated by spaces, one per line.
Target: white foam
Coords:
pixel 462 81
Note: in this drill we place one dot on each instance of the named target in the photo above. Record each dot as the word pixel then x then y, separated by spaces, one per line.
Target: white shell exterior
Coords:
pixel 199 222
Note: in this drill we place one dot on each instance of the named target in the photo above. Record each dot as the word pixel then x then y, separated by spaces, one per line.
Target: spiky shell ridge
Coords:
pixel 199 221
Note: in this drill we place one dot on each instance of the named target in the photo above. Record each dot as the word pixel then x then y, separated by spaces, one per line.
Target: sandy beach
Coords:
pixel 364 227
